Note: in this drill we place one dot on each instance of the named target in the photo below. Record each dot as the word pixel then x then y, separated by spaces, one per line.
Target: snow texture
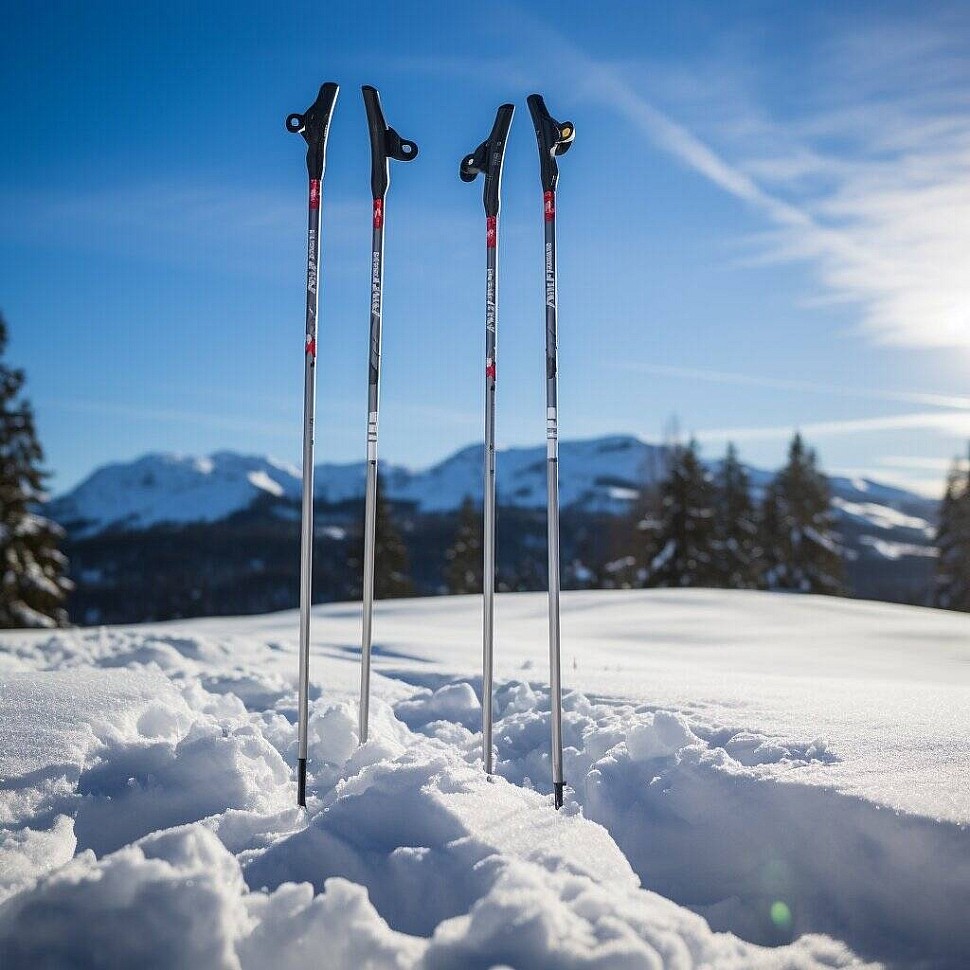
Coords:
pixel 757 781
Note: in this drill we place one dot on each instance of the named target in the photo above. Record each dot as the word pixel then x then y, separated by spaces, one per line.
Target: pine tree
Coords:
pixel 802 550
pixel 771 541
pixel 463 560
pixel 392 569
pixel 683 547
pixel 33 586
pixel 952 582
pixel 736 528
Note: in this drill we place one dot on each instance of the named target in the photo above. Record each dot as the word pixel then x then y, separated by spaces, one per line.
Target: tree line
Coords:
pixel 695 527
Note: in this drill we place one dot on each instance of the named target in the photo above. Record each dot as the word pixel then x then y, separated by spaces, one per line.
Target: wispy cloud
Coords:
pixel 941 422
pixel 917 464
pixel 871 186
pixel 954 402
pixel 202 419
pixel 880 162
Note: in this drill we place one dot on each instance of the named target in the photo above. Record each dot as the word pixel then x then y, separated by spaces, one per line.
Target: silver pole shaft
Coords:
pixel 552 467
pixel 488 569
pixel 306 534
pixel 370 500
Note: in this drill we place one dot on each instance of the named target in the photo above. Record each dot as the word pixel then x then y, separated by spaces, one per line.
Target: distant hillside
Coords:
pixel 169 535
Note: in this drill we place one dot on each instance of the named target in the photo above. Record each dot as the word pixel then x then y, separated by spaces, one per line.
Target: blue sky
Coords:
pixel 764 224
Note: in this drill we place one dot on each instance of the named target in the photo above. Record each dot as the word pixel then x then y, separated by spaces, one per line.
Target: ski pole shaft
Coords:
pixel 385 144
pixel 370 499
pixel 552 479
pixel 306 519
pixel 487 159
pixel 488 503
pixel 313 125
pixel 554 138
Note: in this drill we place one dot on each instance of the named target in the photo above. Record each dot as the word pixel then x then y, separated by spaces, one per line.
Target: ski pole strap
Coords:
pixel 385 143
pixel 314 125
pixel 554 139
pixel 488 158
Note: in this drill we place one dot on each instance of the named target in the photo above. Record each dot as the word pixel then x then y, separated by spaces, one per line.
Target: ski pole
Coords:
pixel 314 125
pixel 385 143
pixel 554 138
pixel 487 159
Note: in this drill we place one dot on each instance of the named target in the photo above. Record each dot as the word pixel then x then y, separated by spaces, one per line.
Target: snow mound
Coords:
pixel 437 869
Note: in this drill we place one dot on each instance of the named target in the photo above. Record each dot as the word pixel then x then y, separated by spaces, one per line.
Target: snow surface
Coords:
pixel 757 780
pixel 881 516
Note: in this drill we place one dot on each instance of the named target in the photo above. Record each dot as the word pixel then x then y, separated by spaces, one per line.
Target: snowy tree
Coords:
pixel 463 559
pixel 683 543
pixel 952 582
pixel 33 586
pixel 391 564
pixel 772 546
pixel 736 527
pixel 801 550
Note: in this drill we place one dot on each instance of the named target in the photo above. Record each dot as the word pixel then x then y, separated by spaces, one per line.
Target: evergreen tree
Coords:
pixel 770 540
pixel 683 546
pixel 630 539
pixel 736 528
pixel 33 586
pixel 392 568
pixel 463 560
pixel 802 550
pixel 952 582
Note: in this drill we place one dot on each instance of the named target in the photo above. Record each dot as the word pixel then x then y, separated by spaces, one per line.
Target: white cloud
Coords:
pixel 789 384
pixel 871 185
pixel 941 422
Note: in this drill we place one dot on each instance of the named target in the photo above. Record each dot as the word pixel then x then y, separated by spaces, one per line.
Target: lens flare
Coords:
pixel 780 915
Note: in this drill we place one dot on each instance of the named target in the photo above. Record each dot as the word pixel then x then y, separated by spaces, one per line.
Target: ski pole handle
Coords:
pixel 385 143
pixel 314 125
pixel 554 138
pixel 487 159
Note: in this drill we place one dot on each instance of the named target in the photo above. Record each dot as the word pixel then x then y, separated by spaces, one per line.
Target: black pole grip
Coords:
pixel 553 137
pixel 385 143
pixel 314 125
pixel 488 158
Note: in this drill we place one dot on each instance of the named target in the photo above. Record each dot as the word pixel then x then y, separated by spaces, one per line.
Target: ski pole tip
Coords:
pixel 301 782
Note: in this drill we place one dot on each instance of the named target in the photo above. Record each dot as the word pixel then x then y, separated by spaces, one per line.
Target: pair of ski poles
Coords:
pixel 314 126
pixel 553 139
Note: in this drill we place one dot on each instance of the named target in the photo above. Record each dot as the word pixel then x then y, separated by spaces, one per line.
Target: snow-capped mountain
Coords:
pixel 596 475
pixel 159 488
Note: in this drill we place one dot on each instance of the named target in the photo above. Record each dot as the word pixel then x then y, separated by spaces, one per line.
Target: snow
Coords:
pixel 881 516
pixel 896 550
pixel 757 780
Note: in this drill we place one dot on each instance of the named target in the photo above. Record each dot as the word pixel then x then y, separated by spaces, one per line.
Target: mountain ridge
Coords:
pixel 598 474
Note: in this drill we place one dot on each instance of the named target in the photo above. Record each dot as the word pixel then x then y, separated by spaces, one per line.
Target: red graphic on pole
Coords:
pixel 491 231
pixel 314 193
pixel 378 213
pixel 549 205
pixel 311 347
pixel 490 369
